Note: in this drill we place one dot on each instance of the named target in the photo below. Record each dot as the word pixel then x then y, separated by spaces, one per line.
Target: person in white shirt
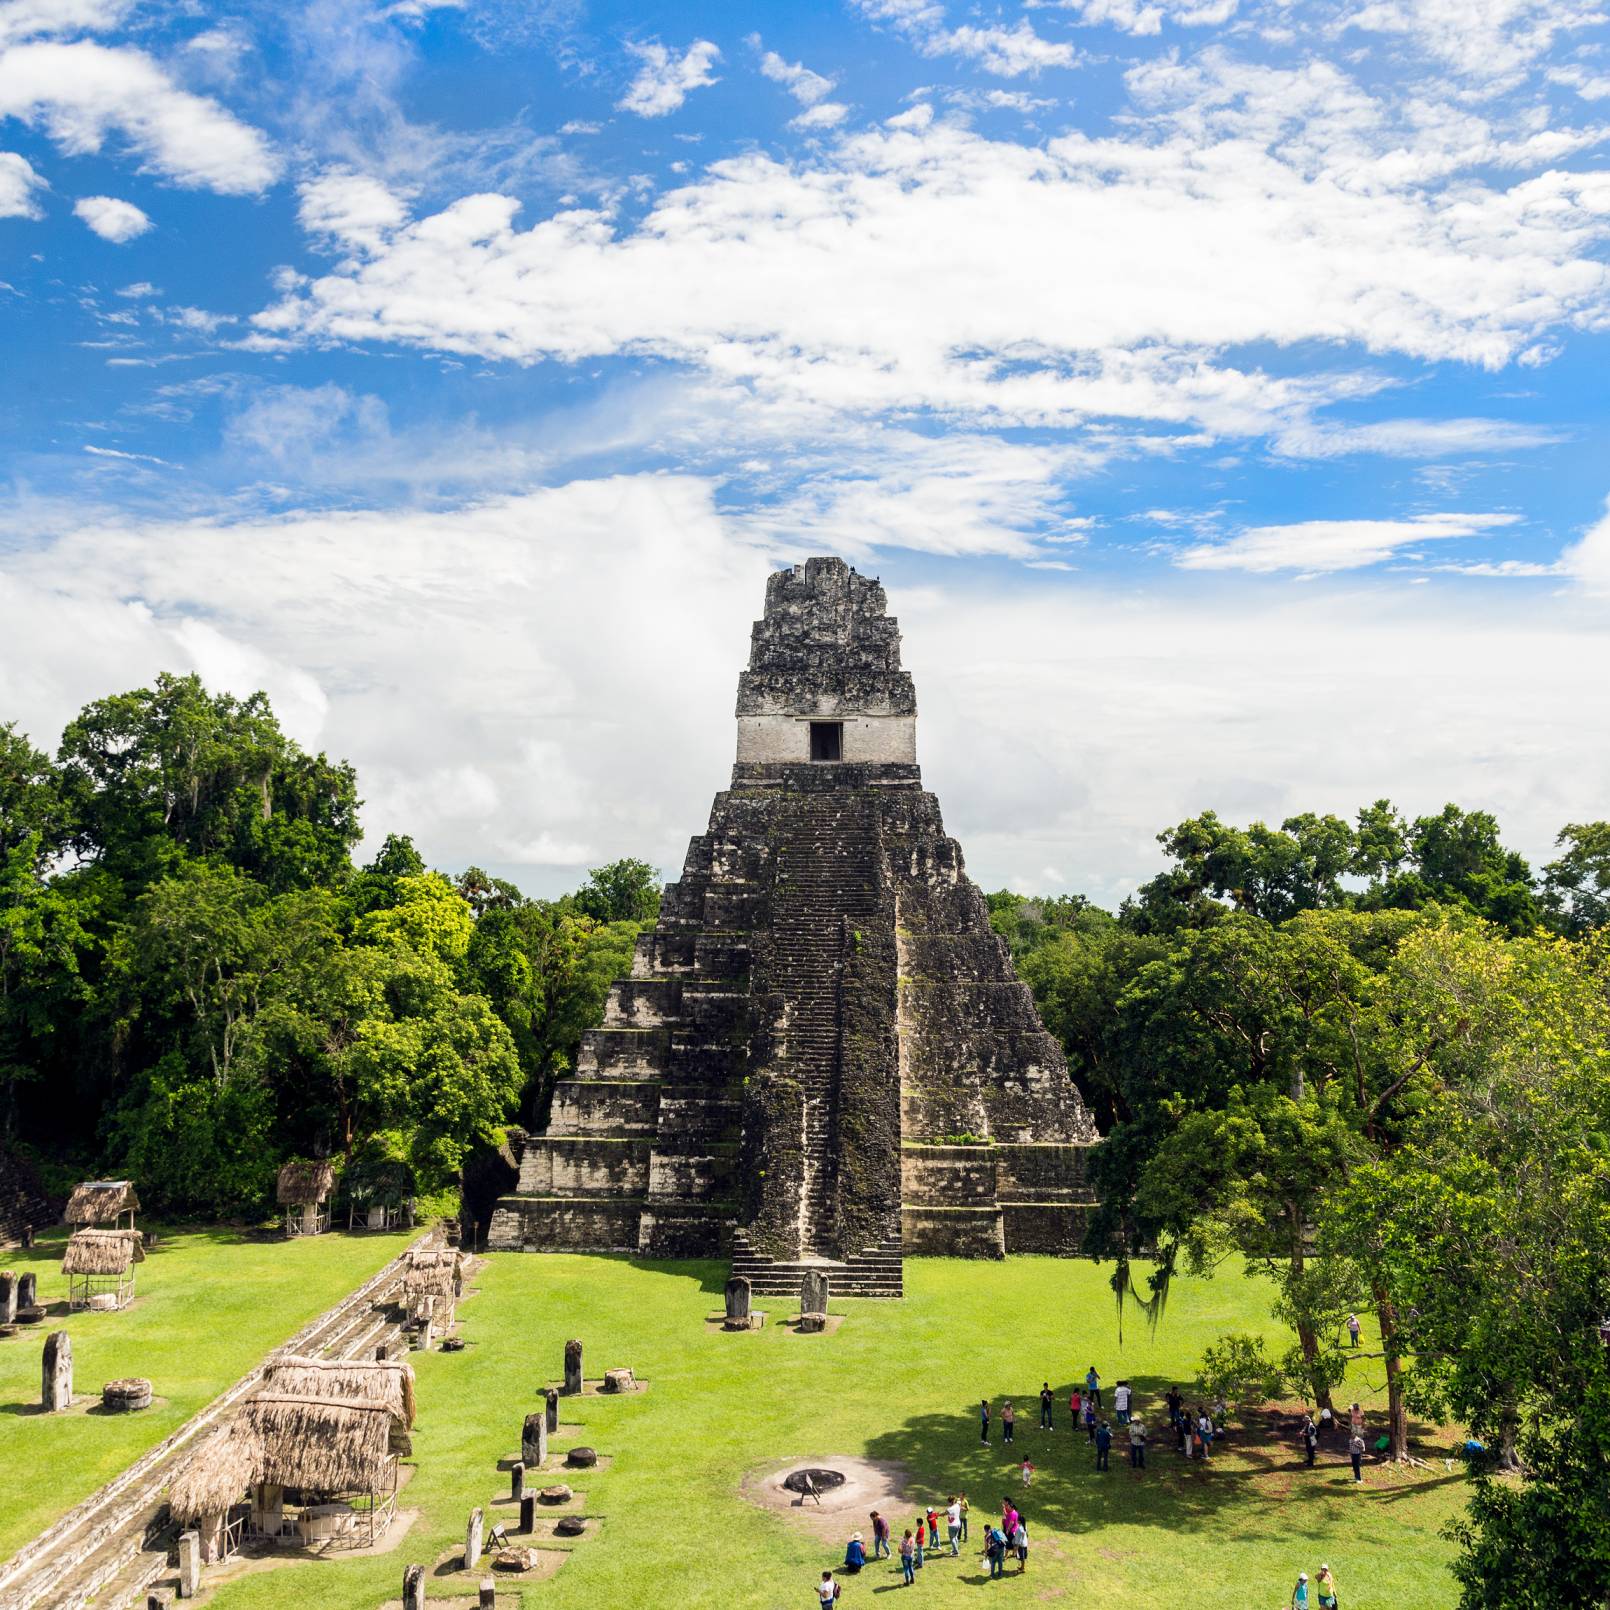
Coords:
pixel 1120 1402
pixel 827 1590
pixel 953 1524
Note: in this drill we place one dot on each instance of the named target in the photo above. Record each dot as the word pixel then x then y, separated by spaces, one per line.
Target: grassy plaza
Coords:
pixel 895 1382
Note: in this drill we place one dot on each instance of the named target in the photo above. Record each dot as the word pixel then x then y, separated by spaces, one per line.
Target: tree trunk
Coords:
pixel 1397 1414
pixel 1307 1336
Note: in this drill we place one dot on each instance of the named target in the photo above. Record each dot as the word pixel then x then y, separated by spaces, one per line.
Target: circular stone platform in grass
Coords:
pixel 863 1485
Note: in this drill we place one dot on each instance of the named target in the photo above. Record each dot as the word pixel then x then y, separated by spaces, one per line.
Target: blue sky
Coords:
pixel 1218 386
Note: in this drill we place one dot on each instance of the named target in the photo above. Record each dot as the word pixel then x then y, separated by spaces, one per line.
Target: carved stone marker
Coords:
pixel 8 1297
pixel 474 1537
pixel 27 1289
pixel 550 1399
pixel 582 1458
pixel 534 1440
pixel 738 1316
pixel 619 1381
pixel 189 1564
pixel 127 1396
pixel 489 1594
pixel 528 1513
pixel 517 1481
pixel 572 1367
pixel 56 1375
pixel 414 1588
pixel 812 1324
pixel 813 1292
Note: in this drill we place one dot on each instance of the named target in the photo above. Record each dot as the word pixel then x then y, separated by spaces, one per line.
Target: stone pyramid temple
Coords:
pixel 823 1057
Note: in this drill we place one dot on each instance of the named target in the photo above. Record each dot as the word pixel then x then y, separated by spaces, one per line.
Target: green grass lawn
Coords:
pixel 210 1305
pixel 897 1381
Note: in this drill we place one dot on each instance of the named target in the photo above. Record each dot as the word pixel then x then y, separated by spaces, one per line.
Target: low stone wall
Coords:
pixel 960 1232
pixel 584 1165
pixel 1057 1228
pixel 564 1224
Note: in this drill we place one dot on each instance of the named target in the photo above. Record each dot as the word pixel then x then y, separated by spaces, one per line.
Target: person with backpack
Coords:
pixel 1103 1445
pixel 995 1551
pixel 827 1590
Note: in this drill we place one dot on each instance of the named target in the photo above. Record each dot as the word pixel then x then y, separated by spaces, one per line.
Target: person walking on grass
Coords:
pixel 1093 1386
pixel 907 1569
pixel 1046 1400
pixel 1103 1445
pixel 1299 1594
pixel 1137 1445
pixel 880 1537
pixel 1008 1421
pixel 1028 1473
pixel 1326 1584
pixel 827 1590
pixel 995 1551
pixel 953 1525
pixel 1310 1438
pixel 1355 1452
pixel 933 1530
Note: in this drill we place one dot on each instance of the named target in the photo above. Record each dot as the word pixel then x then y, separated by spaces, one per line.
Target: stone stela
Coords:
pixel 823 1057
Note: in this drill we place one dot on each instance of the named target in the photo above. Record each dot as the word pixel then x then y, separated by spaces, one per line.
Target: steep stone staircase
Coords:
pixel 874 1272
pixel 826 886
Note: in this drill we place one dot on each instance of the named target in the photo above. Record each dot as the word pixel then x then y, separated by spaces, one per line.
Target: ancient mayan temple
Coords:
pixel 823 1052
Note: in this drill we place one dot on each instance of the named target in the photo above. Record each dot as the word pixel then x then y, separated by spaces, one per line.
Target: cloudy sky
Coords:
pixel 1217 385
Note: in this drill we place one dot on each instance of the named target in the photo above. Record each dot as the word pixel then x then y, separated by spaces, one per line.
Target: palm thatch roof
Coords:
pixel 224 1464
pixel 301 1183
pixel 388 1384
pixel 432 1273
pixel 102 1252
pixel 101 1201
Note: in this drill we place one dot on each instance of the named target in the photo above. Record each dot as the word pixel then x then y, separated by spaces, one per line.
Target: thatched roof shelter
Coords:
pixel 301 1183
pixel 101 1202
pixel 103 1252
pixel 433 1273
pixel 328 1445
pixel 387 1384
pixel 224 1464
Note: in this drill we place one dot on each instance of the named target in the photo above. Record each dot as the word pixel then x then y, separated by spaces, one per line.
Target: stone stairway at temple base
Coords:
pixel 875 1272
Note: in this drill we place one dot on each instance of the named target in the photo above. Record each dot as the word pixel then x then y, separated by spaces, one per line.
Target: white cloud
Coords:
pixel 80 92
pixel 139 291
pixel 112 219
pixel 1148 16
pixel 1411 438
pixel 922 265
pixel 809 88
pixel 1317 547
pixel 355 209
pixel 1589 559
pixel 19 187
pixel 1590 86
pixel 1063 724
pixel 1005 52
pixel 1485 39
pixel 34 19
pixel 665 80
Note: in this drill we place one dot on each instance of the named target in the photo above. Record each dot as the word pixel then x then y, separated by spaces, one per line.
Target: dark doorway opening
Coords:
pixel 827 740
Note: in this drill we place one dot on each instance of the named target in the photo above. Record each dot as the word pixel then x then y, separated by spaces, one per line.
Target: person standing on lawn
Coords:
pixel 1093 1386
pixel 1175 1402
pixel 1137 1445
pixel 953 1525
pixel 1103 1441
pixel 1326 1584
pixel 1352 1330
pixel 1299 1594
pixel 1008 1420
pixel 1310 1438
pixel 827 1590
pixel 907 1569
pixel 1020 1543
pixel 880 1537
pixel 1075 1410
pixel 1355 1452
pixel 1090 1420
pixel 1046 1400
pixel 1120 1402
pixel 962 1504
pixel 983 1419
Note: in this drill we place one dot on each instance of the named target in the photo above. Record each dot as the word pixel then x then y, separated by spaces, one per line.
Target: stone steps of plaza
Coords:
pixel 875 1272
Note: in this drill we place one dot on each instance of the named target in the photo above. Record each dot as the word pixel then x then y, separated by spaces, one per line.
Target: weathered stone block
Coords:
pixel 534 1440
pixel 56 1373
pixel 573 1380
pixel 474 1538
pixel 413 1592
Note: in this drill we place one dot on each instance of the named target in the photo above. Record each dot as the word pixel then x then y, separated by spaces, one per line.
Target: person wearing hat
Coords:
pixel 854 1555
pixel 1326 1584
pixel 1299 1594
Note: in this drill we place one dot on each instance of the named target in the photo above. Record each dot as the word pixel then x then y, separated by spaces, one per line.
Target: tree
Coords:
pixel 1576 887
pixel 623 891
pixel 32 810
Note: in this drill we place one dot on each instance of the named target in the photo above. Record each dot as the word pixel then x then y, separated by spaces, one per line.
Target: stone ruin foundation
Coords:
pixel 823 1057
